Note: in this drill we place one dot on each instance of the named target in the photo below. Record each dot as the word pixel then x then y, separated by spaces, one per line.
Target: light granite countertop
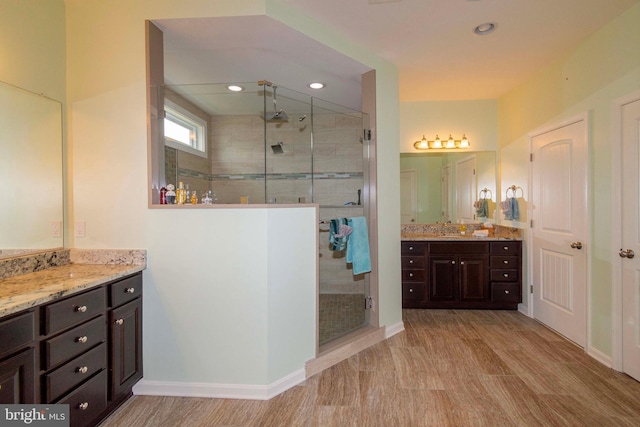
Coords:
pixel 450 237
pixel 38 278
pixel 29 290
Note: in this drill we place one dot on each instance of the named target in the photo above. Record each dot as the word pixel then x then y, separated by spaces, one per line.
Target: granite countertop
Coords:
pixel 28 290
pixel 32 280
pixel 449 237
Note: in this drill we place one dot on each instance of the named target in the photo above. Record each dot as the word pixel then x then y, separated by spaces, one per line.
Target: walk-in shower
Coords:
pixel 271 145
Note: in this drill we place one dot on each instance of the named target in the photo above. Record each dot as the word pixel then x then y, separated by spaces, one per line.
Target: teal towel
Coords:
pixel 515 209
pixel 358 248
pixel 482 208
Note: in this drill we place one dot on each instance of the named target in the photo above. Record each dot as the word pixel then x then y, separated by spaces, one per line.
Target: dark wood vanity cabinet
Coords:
pixel 461 274
pixel 84 350
pixel 18 359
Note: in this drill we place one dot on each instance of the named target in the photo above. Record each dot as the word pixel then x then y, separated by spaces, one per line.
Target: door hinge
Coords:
pixel 368 303
pixel 367 134
pixel 531 224
pixel 530 289
pixel 531 157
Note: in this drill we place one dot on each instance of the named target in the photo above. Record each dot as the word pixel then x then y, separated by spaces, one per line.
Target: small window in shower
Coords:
pixel 184 130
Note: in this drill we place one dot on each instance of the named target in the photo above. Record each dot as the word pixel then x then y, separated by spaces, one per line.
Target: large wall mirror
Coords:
pixel 445 186
pixel 31 211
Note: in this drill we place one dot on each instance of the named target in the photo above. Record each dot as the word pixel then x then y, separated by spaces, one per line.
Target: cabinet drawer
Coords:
pixel 16 332
pixel 505 292
pixel 73 373
pixel 125 290
pixel 449 248
pixel 75 342
pixel 511 248
pixel 87 401
pixel 408 248
pixel 74 310
pixel 412 261
pixel 504 261
pixel 504 275
pixel 412 275
pixel 412 292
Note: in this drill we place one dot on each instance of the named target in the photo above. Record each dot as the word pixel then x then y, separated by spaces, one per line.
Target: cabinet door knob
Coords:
pixel 130 290
pixel 82 339
pixel 410 290
pixel 506 274
pixel 119 322
pixel 410 261
pixel 505 261
pixel 453 262
pixel 81 308
pixel 410 274
pixel 461 262
pixel 506 292
pixel 506 248
pixel 83 405
pixel 82 370
pixel 410 248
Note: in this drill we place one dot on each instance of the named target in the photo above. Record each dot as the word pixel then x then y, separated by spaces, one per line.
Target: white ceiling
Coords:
pixel 430 41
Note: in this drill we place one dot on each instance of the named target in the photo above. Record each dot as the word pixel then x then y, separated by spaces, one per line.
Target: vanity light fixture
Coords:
pixel 438 144
pixel 235 88
pixel 316 85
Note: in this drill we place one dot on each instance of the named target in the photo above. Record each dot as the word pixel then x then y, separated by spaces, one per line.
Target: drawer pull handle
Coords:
pixel 410 290
pixel 81 308
pixel 82 339
pixel 119 322
pixel 505 261
pixel 83 406
pixel 410 274
pixel 82 370
pixel 506 248
pixel 410 248
pixel 506 292
pixel 130 290
pixel 506 274
pixel 410 261
pixel 453 262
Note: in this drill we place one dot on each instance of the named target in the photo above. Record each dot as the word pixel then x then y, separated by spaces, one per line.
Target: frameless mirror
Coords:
pixel 445 186
pixel 31 212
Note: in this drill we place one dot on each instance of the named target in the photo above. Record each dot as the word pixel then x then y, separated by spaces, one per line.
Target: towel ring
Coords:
pixel 484 192
pixel 513 189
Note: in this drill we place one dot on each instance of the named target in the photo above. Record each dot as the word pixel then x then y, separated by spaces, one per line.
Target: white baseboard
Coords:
pixel 221 391
pixel 396 328
pixel 600 357
pixel 524 310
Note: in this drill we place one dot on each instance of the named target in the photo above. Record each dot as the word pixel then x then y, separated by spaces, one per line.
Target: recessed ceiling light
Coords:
pixel 316 85
pixel 235 88
pixel 484 29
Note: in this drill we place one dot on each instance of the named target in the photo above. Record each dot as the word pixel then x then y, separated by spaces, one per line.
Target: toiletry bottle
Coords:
pixel 163 196
pixel 180 194
pixel 171 195
pixel 187 195
pixel 194 198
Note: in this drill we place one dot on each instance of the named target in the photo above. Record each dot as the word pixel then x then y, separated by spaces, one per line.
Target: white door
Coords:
pixel 446 194
pixel 559 253
pixel 630 239
pixel 408 196
pixel 466 189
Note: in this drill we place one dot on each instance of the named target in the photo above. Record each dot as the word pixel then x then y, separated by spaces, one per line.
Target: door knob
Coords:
pixel 626 254
pixel 576 245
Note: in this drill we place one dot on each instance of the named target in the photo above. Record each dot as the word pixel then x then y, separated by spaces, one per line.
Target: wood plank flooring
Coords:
pixel 448 368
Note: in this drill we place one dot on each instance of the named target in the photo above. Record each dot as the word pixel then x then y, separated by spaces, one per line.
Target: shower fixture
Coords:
pixel 279 115
pixel 277 148
pixel 301 118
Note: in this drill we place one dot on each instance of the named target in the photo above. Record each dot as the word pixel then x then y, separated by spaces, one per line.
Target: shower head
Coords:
pixel 301 118
pixel 277 114
pixel 277 148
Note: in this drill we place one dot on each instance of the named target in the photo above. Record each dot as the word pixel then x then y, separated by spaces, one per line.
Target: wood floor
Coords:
pixel 448 368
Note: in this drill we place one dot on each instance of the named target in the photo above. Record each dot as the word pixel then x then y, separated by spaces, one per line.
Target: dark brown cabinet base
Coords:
pixel 462 274
pixel 84 350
